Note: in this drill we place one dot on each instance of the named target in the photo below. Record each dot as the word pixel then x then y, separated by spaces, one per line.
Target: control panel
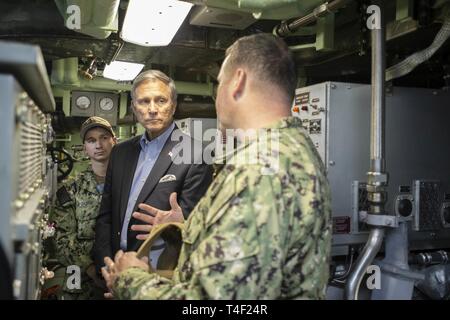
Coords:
pixel 310 106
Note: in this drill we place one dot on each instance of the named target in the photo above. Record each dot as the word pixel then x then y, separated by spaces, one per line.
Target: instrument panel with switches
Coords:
pixel 310 107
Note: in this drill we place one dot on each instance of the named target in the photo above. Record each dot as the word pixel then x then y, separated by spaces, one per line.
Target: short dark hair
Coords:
pixel 268 57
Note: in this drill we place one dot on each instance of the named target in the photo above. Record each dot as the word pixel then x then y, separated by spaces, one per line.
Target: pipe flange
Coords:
pixel 283 29
pixel 375 188
pixel 378 220
pixel 376 197
pixel 321 10
pixel 377 178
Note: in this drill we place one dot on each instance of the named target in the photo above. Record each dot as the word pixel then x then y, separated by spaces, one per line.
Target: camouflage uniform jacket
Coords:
pixel 254 235
pixel 78 202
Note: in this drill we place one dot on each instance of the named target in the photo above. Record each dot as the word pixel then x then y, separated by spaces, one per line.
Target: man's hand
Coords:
pixel 122 261
pixel 156 216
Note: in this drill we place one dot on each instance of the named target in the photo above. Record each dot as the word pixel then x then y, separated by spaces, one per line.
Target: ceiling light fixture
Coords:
pixel 122 71
pixel 153 23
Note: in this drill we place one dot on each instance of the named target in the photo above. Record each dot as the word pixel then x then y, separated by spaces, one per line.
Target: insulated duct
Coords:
pixel 287 28
pixel 407 65
pixel 97 18
pixel 65 76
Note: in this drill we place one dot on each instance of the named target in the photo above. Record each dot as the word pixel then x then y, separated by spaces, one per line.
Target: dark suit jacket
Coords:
pixel 192 181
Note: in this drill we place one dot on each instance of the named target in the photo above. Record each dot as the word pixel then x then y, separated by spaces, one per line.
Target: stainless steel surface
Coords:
pixel 9 95
pixel 417 147
pixel 378 219
pixel 26 181
pixel 378 100
pixel 397 280
pixel 26 63
pixel 285 29
pixel 364 260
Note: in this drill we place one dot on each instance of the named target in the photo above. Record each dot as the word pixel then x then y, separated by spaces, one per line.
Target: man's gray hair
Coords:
pixel 154 75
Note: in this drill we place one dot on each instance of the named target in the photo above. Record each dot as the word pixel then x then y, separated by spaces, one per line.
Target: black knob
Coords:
pixel 405 207
pixel 446 215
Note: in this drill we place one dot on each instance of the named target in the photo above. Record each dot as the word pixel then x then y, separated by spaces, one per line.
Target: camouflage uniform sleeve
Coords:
pixel 238 254
pixel 67 246
pixel 137 284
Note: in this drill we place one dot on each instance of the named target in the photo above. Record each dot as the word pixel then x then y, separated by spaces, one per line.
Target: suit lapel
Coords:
pixel 132 160
pixel 159 169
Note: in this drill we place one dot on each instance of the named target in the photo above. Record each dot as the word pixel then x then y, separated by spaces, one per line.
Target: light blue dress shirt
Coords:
pixel 150 150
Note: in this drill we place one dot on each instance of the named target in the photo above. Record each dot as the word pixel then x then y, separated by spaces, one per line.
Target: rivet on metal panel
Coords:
pixel 333 86
pixel 331 163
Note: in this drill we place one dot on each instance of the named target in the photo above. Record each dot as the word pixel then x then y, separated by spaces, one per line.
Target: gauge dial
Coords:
pixel 106 104
pixel 83 102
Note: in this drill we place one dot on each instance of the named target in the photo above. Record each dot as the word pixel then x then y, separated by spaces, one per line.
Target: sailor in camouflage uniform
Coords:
pixel 263 230
pixel 78 202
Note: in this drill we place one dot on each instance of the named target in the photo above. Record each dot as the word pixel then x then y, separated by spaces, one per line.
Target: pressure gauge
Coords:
pixel 83 102
pixel 106 104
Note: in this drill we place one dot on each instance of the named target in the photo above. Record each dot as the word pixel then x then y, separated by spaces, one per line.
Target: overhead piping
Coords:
pixel 97 18
pixel 287 28
pixel 406 66
pixel 65 76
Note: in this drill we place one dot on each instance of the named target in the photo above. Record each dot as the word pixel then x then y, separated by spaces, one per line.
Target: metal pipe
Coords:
pixel 287 28
pixel 71 71
pixel 97 17
pixel 397 280
pixel 190 88
pixel 183 87
pixel 364 260
pixel 376 177
pixel 65 76
pixel 263 4
pixel 378 99
pixel 57 75
pixel 104 12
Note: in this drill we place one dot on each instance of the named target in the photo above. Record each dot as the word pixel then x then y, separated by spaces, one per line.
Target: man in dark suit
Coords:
pixel 145 169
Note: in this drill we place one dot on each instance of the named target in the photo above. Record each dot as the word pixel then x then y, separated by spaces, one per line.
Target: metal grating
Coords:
pixel 363 205
pixel 429 205
pixel 30 152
